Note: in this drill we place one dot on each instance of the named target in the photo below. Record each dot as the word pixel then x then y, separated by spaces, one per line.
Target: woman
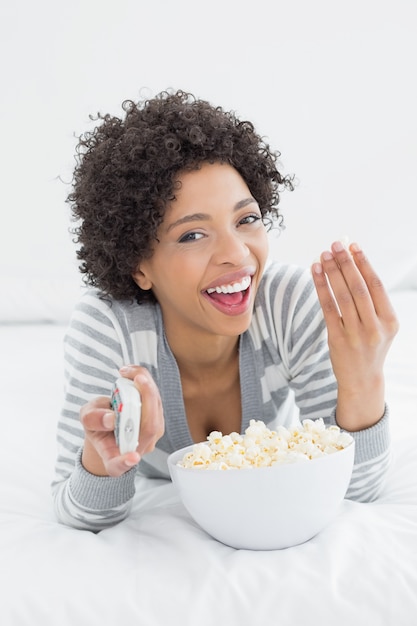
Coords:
pixel 173 202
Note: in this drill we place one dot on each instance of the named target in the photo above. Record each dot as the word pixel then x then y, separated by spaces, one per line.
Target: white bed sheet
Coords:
pixel 157 567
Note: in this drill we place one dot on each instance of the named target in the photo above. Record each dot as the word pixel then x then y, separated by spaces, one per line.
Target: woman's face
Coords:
pixel 211 251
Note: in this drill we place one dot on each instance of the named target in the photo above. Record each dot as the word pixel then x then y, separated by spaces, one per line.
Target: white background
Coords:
pixel 331 84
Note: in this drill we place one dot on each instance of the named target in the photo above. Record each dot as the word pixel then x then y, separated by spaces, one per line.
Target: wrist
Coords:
pixel 360 409
pixel 98 493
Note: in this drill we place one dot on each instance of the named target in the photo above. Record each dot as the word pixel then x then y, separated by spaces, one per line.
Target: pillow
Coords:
pixel 38 299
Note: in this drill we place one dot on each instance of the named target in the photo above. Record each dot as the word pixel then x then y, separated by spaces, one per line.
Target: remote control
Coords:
pixel 126 404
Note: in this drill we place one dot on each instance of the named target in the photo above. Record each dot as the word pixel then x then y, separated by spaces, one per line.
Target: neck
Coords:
pixel 196 357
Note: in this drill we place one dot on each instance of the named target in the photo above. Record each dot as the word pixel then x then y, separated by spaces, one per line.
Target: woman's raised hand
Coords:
pixel 361 325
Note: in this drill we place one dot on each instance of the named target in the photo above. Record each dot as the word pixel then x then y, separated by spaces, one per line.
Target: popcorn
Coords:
pixel 262 447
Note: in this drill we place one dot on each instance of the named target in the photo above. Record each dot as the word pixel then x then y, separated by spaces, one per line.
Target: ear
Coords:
pixel 141 278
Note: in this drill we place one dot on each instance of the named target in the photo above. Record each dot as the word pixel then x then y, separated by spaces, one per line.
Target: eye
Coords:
pixel 250 219
pixel 192 236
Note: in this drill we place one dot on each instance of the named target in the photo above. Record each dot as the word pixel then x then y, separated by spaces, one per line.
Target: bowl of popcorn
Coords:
pixel 265 489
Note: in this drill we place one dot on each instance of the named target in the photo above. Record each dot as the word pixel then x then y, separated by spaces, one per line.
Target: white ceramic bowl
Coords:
pixel 265 508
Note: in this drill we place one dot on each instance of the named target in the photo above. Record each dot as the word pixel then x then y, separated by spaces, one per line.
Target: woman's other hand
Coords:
pixel 101 455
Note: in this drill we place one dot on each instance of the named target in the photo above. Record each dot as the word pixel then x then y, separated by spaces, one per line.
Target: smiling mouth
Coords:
pixel 232 288
pixel 232 294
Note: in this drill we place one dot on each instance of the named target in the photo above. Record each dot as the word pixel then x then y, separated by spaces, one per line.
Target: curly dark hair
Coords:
pixel 126 171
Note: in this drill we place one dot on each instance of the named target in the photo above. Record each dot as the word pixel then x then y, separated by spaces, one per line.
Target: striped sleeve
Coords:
pixel 94 350
pixel 301 337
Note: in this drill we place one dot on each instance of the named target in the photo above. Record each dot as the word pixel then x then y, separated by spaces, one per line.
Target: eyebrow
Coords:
pixel 195 217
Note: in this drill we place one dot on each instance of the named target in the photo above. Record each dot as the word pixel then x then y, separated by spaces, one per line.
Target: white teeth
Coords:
pixel 234 288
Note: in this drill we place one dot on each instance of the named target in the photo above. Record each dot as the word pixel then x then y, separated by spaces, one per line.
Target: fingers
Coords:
pixel 348 286
pixel 352 295
pixel 96 415
pixel 118 465
pixel 342 290
pixel 377 291
pixel 101 454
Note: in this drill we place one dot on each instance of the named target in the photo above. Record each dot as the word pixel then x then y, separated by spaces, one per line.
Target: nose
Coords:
pixel 230 247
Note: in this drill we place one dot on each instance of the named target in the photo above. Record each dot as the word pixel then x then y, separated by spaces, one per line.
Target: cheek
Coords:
pixel 178 282
pixel 261 245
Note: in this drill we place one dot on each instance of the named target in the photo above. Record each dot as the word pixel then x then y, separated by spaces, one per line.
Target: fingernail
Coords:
pixel 108 420
pixel 354 247
pixel 125 369
pixel 338 246
pixel 130 463
pixel 327 256
pixel 317 268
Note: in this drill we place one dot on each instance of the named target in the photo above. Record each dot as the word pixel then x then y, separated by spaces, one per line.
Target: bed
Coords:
pixel 158 567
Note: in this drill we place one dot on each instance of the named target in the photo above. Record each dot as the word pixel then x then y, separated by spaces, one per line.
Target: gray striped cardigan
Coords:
pixel 285 374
